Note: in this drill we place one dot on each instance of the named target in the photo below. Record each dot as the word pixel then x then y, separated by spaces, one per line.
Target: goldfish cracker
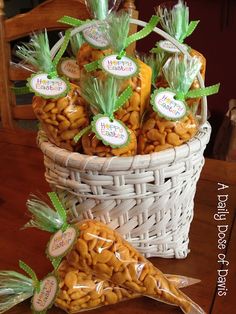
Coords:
pixel 132 111
pixel 63 118
pixel 175 21
pixel 160 134
pixel 196 85
pixel 102 96
pixel 80 290
pixel 93 146
pixel 88 54
pixel 76 291
pixel 100 267
pixel 117 266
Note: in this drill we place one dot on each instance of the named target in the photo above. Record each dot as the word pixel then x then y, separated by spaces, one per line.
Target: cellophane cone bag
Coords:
pixel 61 118
pixel 101 96
pixel 132 111
pixel 102 252
pixel 160 133
pixel 175 21
pixel 99 10
pixel 80 291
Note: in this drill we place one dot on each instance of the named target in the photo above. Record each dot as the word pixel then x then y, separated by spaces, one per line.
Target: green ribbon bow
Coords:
pixel 68 20
pixel 32 274
pixel 200 92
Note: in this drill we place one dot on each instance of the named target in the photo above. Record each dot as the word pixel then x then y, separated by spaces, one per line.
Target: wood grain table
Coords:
pixel 22 173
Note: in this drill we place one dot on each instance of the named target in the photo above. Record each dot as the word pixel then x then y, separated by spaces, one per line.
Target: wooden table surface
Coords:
pixel 22 173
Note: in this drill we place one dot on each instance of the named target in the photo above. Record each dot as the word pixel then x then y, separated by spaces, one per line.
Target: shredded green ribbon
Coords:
pixel 98 8
pixel 32 274
pixel 176 21
pixel 59 208
pixel 121 100
pixel 52 73
pixel 191 28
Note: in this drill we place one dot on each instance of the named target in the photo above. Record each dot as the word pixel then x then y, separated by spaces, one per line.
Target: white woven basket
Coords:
pixel 149 199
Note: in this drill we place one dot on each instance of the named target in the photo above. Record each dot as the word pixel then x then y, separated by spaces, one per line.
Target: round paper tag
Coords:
pixel 95 36
pixel 41 85
pixel 111 133
pixel 168 107
pixel 70 68
pixel 44 299
pixel 126 67
pixel 169 47
pixel 61 242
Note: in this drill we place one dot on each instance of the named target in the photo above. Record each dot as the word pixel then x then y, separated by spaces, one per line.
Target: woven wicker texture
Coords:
pixel 148 199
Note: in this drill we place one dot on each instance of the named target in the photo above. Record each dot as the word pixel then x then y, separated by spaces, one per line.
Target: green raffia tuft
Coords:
pixel 14 289
pixel 100 94
pixel 43 216
pixel 98 8
pixel 37 52
pixel 118 30
pixel 76 42
pixel 180 73
pixel 176 21
pixel 156 62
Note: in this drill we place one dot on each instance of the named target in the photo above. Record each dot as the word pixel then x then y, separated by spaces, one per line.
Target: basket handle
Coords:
pixel 157 30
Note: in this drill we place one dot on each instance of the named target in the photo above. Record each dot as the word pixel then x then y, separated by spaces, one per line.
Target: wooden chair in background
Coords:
pixel 21 25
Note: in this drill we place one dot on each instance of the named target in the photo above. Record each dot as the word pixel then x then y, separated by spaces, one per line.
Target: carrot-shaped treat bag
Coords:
pixel 94 248
pixel 88 293
pixel 171 122
pixel 134 72
pixel 106 136
pixel 58 104
pixel 95 45
pixel 175 21
pixel 80 291
pixel 16 288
